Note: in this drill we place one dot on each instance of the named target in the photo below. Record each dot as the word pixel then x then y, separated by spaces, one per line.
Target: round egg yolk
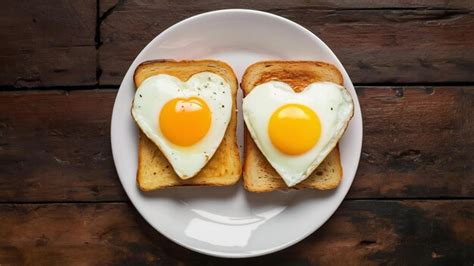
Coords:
pixel 185 121
pixel 294 129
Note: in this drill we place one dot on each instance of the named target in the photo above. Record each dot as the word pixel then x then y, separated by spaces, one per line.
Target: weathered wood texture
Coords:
pixel 47 43
pixel 359 233
pixel 55 146
pixel 377 41
pixel 417 143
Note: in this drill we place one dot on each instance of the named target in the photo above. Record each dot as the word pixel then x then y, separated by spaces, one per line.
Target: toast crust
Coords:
pixel 297 74
pixel 258 174
pixel 224 168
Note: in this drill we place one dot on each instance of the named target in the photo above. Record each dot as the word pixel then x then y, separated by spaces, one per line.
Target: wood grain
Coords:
pixel 107 5
pixel 418 142
pixel 377 41
pixel 47 43
pixel 366 232
pixel 61 202
pixel 55 145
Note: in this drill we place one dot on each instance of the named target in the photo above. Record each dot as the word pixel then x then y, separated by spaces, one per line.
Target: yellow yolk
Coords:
pixel 185 121
pixel 294 129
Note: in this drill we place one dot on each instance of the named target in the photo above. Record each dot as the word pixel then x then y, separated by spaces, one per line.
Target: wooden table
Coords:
pixel 412 201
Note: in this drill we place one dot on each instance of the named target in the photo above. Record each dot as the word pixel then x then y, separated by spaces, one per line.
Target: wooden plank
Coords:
pixel 366 232
pixel 391 42
pixel 418 142
pixel 55 146
pixel 47 43
pixel 107 5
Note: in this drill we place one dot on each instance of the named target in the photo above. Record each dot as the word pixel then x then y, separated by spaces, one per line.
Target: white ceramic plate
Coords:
pixel 228 221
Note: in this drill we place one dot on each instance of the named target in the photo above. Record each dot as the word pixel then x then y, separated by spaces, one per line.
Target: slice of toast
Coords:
pixel 224 168
pixel 259 175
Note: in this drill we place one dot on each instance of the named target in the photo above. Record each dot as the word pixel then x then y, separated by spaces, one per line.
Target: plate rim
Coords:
pixel 216 253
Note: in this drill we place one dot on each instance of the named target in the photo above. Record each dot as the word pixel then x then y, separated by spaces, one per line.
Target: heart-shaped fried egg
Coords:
pixel 295 131
pixel 186 120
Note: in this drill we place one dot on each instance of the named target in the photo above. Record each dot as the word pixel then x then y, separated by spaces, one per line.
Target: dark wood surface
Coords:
pixel 377 42
pixel 47 43
pixel 361 232
pixel 412 201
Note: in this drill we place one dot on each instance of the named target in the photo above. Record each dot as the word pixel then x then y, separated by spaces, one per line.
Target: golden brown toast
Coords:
pixel 259 175
pixel 224 168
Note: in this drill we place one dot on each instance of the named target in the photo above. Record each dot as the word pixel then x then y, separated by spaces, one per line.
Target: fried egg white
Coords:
pixel 186 120
pixel 296 131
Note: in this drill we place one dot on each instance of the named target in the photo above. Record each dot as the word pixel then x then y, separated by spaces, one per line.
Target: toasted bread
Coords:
pixel 259 175
pixel 224 168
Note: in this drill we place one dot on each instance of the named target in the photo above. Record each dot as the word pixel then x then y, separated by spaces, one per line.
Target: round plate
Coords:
pixel 228 221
